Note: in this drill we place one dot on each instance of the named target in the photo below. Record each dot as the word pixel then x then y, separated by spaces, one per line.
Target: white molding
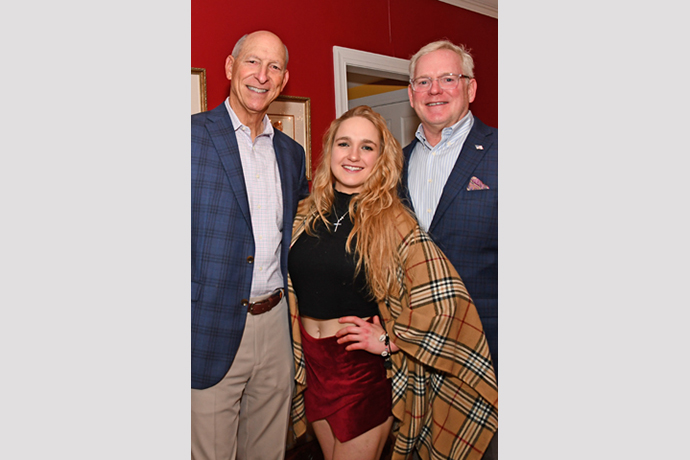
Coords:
pixel 390 97
pixel 365 63
pixel 485 7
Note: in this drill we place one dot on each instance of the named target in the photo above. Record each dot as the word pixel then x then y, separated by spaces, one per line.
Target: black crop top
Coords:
pixel 322 271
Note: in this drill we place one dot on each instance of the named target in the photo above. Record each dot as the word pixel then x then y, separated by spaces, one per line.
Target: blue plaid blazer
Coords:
pixel 465 225
pixel 222 239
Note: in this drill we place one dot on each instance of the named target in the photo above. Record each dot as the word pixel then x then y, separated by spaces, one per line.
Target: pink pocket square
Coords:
pixel 476 184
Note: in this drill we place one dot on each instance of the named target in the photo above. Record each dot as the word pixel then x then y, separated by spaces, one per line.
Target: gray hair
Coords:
pixel 240 43
pixel 460 50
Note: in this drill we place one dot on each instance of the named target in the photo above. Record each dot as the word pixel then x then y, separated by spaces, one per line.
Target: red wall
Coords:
pixel 310 29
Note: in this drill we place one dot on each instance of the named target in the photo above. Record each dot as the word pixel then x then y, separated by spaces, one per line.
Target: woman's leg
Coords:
pixel 367 446
pixel 326 438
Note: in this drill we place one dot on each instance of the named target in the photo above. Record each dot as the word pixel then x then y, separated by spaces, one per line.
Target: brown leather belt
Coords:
pixel 257 308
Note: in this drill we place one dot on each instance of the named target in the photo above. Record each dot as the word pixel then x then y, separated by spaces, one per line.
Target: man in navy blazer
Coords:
pixel 451 177
pixel 247 179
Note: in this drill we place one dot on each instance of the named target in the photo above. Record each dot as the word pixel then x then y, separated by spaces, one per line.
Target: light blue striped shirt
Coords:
pixel 262 178
pixel 430 167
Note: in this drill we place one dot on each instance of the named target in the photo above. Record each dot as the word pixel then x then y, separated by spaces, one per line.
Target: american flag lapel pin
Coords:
pixel 479 147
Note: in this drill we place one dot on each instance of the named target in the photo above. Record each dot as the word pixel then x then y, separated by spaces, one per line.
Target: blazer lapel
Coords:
pixel 475 147
pixel 223 136
pixel 286 184
pixel 404 190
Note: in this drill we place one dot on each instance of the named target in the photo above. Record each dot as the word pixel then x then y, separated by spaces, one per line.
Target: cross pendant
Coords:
pixel 336 225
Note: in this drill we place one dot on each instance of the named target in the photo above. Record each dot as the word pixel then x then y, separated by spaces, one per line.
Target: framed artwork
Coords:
pixel 198 90
pixel 292 115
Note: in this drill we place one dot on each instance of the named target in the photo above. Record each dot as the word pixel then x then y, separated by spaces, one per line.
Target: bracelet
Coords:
pixel 386 353
pixel 384 338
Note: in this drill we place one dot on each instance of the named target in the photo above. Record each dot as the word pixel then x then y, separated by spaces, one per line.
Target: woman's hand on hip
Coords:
pixel 363 335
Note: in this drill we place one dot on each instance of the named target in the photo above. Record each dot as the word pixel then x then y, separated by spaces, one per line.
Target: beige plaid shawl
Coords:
pixel 445 395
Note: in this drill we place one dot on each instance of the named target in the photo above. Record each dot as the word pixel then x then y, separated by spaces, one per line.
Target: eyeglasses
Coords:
pixel 447 82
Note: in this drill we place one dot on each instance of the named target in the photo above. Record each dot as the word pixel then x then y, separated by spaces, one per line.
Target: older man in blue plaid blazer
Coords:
pixel 247 179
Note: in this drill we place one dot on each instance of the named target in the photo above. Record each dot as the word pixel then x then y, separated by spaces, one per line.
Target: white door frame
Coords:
pixel 365 63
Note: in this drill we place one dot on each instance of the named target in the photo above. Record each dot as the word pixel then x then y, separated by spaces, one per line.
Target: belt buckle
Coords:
pixel 267 304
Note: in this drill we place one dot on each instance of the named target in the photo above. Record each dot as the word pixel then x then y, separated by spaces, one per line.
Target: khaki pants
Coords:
pixel 245 416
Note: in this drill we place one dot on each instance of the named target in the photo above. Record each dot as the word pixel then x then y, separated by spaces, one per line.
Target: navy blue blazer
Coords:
pixel 465 225
pixel 222 240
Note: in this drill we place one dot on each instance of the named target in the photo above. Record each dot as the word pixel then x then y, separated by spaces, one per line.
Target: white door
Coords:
pixel 394 106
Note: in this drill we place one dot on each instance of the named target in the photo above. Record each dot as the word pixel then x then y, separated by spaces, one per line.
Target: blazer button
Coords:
pixel 250 260
pixel 245 302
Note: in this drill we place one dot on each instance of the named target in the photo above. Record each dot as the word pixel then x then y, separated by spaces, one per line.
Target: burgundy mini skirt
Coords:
pixel 347 388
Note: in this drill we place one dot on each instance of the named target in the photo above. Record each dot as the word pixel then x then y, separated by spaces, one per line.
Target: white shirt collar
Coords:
pixel 237 124
pixel 448 132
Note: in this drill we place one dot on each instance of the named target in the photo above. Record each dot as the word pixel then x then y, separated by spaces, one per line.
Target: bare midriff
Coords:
pixel 322 328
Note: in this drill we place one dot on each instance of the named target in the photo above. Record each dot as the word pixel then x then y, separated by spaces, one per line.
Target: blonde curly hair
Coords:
pixel 373 211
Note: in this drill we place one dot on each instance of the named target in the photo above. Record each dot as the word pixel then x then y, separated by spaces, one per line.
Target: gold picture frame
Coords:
pixel 292 115
pixel 199 103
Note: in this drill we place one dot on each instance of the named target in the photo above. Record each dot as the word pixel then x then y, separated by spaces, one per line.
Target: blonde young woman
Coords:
pixel 385 336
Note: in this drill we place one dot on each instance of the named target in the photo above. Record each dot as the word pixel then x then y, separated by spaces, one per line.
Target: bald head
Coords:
pixel 258 34
pixel 257 70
